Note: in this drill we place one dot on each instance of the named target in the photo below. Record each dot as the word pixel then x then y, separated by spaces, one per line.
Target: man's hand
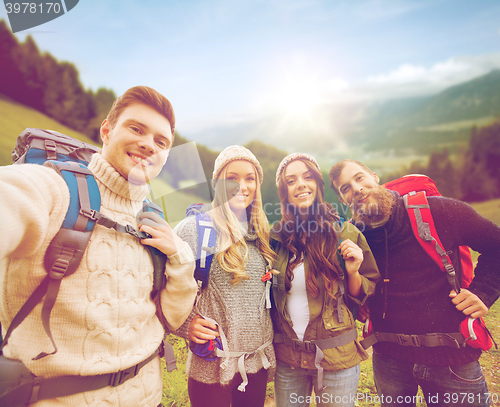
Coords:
pixel 363 313
pixel 201 330
pixel 468 303
pixel 163 237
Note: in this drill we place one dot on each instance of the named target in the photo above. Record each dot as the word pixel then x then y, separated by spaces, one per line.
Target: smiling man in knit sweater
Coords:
pixel 415 297
pixel 103 320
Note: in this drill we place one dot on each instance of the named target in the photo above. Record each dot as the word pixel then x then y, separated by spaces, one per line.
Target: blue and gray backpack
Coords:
pixel 207 237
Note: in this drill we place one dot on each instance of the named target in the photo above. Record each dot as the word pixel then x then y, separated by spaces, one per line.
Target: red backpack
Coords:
pixel 415 188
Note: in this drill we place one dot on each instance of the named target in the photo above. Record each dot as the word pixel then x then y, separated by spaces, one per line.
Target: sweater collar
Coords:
pixel 113 180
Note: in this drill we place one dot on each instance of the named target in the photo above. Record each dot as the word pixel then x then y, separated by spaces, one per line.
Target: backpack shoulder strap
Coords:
pixel 464 267
pixel 273 243
pixel 159 280
pixel 425 232
pixel 66 250
pixel 158 257
pixel 205 248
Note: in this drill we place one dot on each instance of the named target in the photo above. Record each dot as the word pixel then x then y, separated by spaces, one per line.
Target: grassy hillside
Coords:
pixel 15 117
pixel 174 202
pixel 489 209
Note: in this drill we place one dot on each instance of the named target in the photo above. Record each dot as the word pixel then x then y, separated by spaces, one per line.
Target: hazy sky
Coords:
pixel 228 62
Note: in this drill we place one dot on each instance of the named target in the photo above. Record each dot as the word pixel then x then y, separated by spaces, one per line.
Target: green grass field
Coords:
pixel 16 117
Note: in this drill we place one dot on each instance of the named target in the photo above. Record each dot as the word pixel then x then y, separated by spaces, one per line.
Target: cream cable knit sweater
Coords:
pixel 103 320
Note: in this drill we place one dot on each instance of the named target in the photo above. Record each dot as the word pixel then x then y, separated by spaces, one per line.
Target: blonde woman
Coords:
pixel 233 307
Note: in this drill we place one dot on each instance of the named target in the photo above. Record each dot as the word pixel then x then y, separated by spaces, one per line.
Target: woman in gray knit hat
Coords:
pixel 233 309
pixel 325 268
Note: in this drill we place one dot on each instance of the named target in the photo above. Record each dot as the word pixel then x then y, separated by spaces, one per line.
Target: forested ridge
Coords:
pixel 38 80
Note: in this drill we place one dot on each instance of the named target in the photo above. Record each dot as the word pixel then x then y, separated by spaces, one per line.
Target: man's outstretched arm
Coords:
pixel 32 198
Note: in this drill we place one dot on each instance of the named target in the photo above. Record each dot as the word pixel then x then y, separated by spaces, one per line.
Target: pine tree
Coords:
pixel 11 78
pixel 481 175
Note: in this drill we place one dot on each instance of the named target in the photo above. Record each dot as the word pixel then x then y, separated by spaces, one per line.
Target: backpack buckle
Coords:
pixel 268 276
pixel 450 269
pixel 408 340
pixel 91 214
pixel 51 149
pixel 310 346
pixel 59 269
pixel 136 233
pixel 122 376
pixel 303 346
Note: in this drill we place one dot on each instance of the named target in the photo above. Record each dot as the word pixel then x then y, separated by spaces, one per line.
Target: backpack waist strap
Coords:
pixel 41 389
pixel 241 360
pixel 431 340
pixel 317 346
pixel 310 346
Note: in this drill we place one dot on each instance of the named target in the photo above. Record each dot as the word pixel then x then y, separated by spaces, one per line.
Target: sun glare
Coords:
pixel 299 96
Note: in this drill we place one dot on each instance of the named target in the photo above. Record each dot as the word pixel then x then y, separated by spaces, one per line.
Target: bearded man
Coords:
pixel 414 297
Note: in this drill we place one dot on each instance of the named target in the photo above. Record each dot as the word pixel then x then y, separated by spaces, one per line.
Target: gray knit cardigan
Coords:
pixel 239 309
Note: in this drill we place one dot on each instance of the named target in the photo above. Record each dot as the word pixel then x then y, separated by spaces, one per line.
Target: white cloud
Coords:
pixel 412 80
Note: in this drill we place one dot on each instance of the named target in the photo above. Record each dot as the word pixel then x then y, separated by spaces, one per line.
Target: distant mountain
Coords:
pixel 425 123
pixel 418 125
pixel 475 99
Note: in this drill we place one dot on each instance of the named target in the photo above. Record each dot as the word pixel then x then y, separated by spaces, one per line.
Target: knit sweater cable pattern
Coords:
pixel 239 309
pixel 103 320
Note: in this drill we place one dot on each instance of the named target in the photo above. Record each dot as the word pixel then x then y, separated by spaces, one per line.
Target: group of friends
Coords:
pixel 279 301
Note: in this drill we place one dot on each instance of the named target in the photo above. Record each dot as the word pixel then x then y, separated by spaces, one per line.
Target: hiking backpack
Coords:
pixel 414 189
pixel 70 157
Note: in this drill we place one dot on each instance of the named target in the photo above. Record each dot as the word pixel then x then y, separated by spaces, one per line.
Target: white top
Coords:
pixel 297 303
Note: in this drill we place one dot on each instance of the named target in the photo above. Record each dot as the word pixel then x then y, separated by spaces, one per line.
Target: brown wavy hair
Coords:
pixel 147 96
pixel 318 236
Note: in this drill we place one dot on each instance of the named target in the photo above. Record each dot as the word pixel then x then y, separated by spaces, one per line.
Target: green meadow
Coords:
pixel 16 117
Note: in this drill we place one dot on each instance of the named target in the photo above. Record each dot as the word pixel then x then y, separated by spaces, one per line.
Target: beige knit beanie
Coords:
pixel 292 157
pixel 234 153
